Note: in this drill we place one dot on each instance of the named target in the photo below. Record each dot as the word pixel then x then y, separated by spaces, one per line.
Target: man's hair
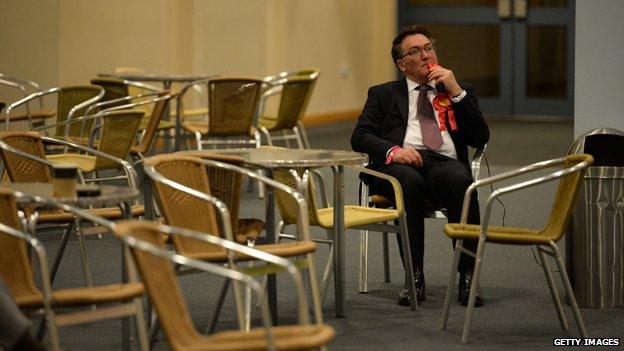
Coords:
pixel 397 51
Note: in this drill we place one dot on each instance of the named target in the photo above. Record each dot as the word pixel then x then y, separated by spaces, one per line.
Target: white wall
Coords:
pixel 599 65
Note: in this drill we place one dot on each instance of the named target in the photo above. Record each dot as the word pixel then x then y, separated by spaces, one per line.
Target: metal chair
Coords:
pixel 24 158
pixel 26 87
pixel 294 90
pixel 154 262
pixel 186 189
pixel 569 171
pixel 361 218
pixel 232 103
pixel 72 101
pixel 112 300
pixel 432 211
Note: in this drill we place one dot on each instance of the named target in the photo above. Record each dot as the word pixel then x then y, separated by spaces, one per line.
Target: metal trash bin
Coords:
pixel 595 245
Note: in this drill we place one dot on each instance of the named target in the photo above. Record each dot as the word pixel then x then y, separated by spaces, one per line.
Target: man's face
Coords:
pixel 415 65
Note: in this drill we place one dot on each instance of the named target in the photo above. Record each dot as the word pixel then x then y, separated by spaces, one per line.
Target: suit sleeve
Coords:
pixel 366 136
pixel 472 127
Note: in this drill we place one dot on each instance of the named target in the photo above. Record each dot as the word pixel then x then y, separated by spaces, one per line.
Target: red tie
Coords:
pixel 429 129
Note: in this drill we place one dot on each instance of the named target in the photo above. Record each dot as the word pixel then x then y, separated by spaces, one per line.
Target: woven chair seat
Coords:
pixel 248 229
pixel 500 235
pixel 282 249
pixel 291 337
pixel 356 215
pixel 193 126
pixel 41 114
pixel 267 122
pixel 86 163
pixel 84 296
pixel 202 127
pixel 162 125
pixel 110 213
pixel 192 112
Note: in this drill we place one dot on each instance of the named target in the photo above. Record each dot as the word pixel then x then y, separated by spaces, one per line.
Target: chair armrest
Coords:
pixel 125 165
pixel 398 192
pixel 475 164
pixel 323 189
pixel 86 103
pixel 25 100
pixel 518 186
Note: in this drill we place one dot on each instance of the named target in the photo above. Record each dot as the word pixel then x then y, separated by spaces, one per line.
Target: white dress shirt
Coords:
pixel 413 136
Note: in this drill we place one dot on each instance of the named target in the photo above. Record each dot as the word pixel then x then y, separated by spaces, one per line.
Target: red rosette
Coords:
pixel 443 104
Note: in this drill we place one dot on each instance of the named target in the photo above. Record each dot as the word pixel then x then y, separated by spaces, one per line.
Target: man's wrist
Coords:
pixel 457 98
pixel 390 154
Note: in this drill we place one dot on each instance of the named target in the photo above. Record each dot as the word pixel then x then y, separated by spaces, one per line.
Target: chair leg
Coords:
pixel 140 325
pixel 304 135
pixel 59 252
pixel 363 276
pixel 449 287
pixel 473 289
pixel 328 271
pixel 154 332
pixel 568 287
pixel 386 258
pixel 212 325
pixel 83 254
pixel 553 289
pixel 267 135
pixel 314 290
pixel 409 270
pixel 298 137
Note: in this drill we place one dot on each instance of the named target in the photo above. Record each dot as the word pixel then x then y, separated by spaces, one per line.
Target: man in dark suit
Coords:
pixel 424 147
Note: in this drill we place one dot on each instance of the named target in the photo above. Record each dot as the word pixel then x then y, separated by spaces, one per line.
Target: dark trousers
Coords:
pixel 442 180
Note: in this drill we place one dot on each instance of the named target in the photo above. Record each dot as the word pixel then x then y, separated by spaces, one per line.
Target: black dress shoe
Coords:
pixel 419 281
pixel 465 282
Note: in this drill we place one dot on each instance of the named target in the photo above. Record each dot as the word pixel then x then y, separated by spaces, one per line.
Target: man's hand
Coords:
pixel 408 157
pixel 446 77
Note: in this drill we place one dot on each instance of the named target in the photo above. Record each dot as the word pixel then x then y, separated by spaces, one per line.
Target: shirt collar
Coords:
pixel 411 85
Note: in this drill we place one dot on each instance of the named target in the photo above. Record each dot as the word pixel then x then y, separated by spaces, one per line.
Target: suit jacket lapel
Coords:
pixel 400 96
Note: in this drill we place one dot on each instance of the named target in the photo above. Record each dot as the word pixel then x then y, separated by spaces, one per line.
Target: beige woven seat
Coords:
pixel 154 264
pixel 294 90
pixel 16 270
pixel 570 172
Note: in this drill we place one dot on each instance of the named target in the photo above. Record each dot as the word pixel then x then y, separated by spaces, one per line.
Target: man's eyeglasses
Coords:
pixel 418 52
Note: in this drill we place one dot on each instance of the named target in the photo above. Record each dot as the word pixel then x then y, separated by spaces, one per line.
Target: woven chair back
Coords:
pixel 232 104
pixel 117 135
pixel 151 126
pixel 565 198
pixel 183 210
pixel 21 169
pixel 68 97
pixel 114 88
pixel 287 204
pixel 15 267
pixel 296 92
pixel 162 286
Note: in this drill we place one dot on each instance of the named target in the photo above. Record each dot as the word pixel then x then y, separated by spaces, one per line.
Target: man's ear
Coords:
pixel 400 65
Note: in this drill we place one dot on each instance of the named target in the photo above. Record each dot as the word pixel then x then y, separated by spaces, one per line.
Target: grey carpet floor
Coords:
pixel 519 313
